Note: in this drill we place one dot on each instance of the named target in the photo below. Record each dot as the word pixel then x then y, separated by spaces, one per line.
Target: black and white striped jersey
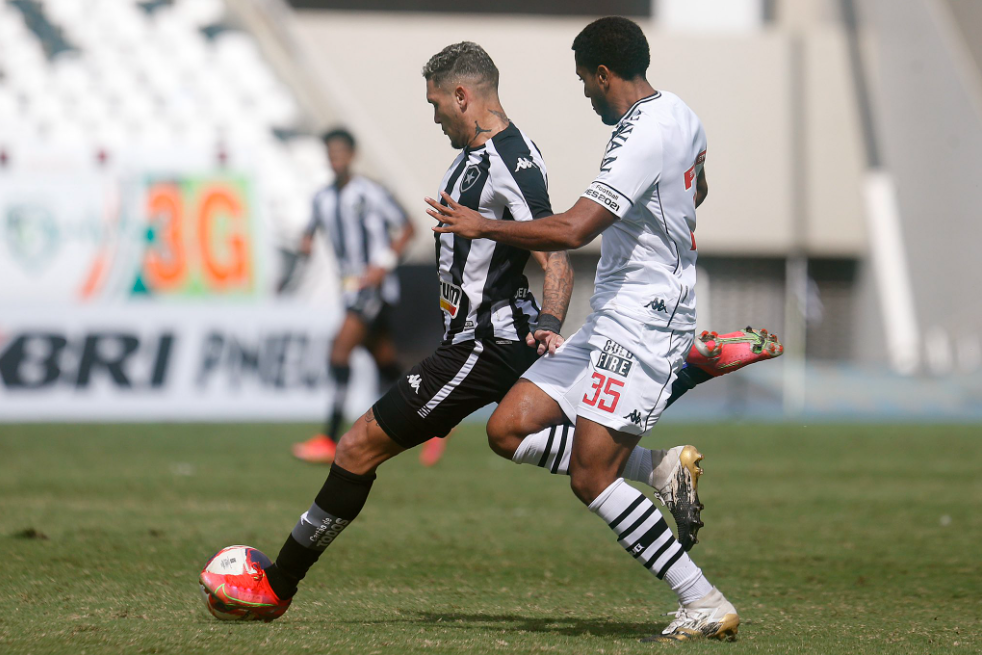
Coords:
pixel 483 289
pixel 357 219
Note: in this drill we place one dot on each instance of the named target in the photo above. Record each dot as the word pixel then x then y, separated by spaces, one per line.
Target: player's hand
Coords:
pixel 373 277
pixel 306 245
pixel 547 340
pixel 455 218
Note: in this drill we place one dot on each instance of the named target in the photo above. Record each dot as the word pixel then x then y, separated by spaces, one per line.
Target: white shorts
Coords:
pixel 615 371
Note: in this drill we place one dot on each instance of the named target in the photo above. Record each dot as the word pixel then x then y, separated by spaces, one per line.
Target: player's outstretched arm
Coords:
pixel 557 288
pixel 574 228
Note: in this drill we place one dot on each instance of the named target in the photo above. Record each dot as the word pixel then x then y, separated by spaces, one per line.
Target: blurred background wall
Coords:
pixel 157 161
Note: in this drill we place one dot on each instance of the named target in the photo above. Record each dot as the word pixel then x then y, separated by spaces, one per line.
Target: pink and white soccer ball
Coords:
pixel 233 560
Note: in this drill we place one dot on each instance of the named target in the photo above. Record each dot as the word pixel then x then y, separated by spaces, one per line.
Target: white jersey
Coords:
pixel 647 268
pixel 357 219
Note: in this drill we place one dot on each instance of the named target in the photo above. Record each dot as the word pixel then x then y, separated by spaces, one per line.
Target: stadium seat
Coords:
pixel 132 74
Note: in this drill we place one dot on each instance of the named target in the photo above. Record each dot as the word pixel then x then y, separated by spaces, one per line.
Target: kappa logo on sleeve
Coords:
pixel 523 163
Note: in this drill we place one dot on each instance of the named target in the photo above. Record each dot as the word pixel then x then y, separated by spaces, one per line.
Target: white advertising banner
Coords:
pixel 150 361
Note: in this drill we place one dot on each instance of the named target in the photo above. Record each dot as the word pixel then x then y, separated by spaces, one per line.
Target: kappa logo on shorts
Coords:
pixel 414 382
pixel 657 305
pixel 616 359
pixel 634 417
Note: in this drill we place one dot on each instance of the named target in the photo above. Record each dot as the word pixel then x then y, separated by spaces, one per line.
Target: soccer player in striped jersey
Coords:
pixel 490 317
pixel 611 377
pixel 359 217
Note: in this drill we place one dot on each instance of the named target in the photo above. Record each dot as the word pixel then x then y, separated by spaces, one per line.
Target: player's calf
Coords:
pixel 673 473
pixel 597 459
pixel 365 446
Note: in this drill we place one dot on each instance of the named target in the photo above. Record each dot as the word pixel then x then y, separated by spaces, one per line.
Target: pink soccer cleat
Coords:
pixel 318 449
pixel 719 354
pixel 432 451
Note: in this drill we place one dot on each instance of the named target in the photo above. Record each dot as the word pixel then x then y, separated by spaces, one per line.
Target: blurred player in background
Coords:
pixel 359 218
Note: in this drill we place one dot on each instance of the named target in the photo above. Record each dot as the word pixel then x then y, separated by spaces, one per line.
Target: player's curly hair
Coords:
pixel 341 134
pixel 461 61
pixel 617 43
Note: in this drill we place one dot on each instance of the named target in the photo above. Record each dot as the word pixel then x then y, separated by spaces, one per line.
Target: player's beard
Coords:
pixel 457 142
pixel 607 115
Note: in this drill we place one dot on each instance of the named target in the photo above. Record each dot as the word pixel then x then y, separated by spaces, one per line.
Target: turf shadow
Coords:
pixel 559 625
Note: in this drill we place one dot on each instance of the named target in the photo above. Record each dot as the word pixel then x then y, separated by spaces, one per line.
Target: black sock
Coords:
pixel 338 503
pixel 687 379
pixel 341 376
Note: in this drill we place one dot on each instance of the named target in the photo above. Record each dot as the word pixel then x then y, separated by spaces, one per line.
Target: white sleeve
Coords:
pixel 389 209
pixel 631 164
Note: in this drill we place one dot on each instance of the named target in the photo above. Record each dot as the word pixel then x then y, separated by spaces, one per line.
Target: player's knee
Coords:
pixel 586 483
pixel 502 436
pixel 360 451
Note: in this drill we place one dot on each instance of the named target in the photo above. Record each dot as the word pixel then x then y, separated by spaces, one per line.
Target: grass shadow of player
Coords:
pixel 558 625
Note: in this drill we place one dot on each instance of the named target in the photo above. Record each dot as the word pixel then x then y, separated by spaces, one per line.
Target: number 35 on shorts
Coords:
pixel 603 394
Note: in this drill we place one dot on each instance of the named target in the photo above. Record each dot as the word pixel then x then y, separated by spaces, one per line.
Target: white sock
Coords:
pixel 550 449
pixel 642 531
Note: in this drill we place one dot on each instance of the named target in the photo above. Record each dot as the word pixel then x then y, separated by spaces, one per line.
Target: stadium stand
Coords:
pixel 163 74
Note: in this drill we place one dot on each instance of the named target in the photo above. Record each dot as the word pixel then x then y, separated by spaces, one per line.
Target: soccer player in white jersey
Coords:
pixel 612 377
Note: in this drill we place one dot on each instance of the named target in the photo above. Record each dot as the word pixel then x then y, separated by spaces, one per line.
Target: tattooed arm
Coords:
pixel 556 292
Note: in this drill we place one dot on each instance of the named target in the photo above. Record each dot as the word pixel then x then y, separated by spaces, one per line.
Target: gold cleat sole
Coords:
pixel 687 510
pixel 690 457
pixel 726 630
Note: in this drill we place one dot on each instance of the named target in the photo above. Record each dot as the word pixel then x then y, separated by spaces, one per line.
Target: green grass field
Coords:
pixel 827 539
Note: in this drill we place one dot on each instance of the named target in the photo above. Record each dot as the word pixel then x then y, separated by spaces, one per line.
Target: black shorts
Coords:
pixel 449 385
pixel 369 307
pixel 377 318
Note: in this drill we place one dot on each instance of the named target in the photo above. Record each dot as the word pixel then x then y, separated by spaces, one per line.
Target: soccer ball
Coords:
pixel 234 560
